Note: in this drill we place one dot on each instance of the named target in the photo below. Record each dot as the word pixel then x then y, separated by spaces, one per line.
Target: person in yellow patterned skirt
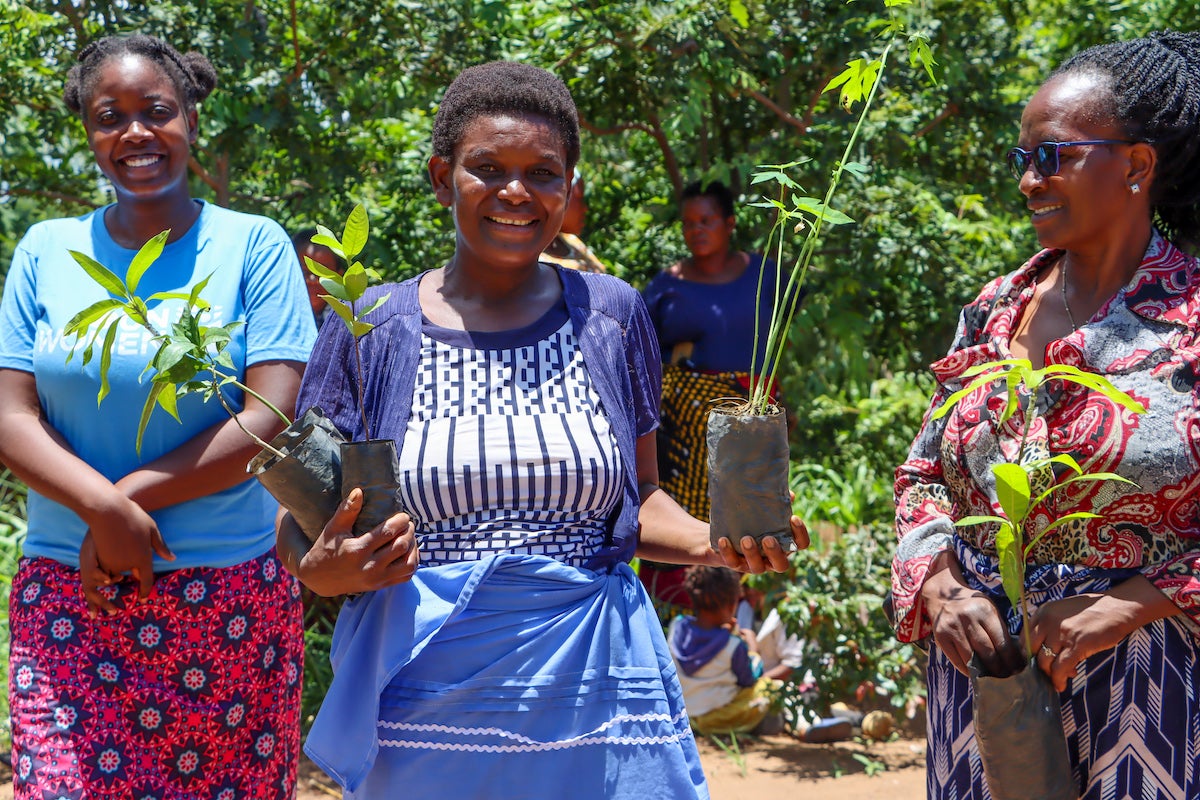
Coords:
pixel 704 309
pixel 567 249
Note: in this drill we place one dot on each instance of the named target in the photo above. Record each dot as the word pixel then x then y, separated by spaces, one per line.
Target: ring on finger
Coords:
pixel 1047 652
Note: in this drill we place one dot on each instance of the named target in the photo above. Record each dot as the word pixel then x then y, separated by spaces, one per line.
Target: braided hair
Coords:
pixel 712 588
pixel 505 87
pixel 192 74
pixel 1155 88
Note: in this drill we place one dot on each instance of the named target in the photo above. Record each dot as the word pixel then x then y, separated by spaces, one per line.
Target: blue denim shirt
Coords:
pixel 615 335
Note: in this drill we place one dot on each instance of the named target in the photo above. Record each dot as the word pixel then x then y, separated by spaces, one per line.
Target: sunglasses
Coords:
pixel 1044 156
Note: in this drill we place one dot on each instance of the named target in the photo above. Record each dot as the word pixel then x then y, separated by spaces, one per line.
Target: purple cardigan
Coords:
pixel 615 336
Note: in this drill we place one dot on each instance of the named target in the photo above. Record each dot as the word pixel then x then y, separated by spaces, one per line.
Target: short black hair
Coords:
pixel 505 87
pixel 1155 87
pixel 718 191
pixel 712 588
pixel 193 74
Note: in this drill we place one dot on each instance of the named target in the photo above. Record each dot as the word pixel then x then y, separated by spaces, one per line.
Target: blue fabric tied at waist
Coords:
pixel 508 633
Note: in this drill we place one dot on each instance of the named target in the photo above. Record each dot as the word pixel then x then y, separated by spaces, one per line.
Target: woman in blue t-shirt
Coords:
pixel 705 309
pixel 156 641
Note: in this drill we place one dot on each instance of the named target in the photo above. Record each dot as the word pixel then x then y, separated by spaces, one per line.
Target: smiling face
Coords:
pixel 706 229
pixel 1089 201
pixel 138 129
pixel 507 186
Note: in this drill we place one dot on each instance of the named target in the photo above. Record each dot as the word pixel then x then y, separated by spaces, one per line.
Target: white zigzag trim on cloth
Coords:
pixel 527 744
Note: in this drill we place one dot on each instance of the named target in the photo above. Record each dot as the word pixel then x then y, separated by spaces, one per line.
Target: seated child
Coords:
pixel 723 687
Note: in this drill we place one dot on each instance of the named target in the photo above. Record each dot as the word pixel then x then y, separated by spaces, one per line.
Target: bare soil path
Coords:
pixel 766 768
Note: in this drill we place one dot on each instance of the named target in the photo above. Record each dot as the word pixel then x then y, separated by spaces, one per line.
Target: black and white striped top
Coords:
pixel 508 448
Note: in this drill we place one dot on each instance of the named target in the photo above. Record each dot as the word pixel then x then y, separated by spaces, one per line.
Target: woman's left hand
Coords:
pixel 1067 631
pixel 764 555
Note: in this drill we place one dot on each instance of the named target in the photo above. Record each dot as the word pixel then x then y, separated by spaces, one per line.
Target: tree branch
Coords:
pixel 60 196
pixel 629 126
pixel 219 183
pixel 949 111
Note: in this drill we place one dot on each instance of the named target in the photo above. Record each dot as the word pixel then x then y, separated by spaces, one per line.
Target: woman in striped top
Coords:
pixel 523 399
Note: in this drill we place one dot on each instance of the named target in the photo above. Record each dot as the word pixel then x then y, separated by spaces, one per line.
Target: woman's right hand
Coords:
pixel 121 538
pixel 966 622
pixel 341 563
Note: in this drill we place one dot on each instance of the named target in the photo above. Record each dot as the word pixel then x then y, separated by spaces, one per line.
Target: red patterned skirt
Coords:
pixel 195 694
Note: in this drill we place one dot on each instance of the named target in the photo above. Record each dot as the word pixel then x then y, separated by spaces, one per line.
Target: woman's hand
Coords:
pixel 1065 632
pixel 341 563
pixel 966 622
pixel 763 555
pixel 121 538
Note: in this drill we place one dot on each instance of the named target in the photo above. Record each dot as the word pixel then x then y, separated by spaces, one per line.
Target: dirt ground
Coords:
pixel 766 768
pixel 775 768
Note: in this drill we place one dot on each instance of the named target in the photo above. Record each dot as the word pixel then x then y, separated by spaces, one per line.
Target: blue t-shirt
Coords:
pixel 254 279
pixel 717 318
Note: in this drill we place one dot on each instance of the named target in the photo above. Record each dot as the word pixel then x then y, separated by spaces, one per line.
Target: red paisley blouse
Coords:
pixel 1144 340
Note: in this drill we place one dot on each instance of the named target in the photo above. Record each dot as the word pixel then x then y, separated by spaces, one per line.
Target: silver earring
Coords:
pixel 1134 188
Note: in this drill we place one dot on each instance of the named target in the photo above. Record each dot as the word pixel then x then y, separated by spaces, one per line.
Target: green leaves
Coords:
pixel 346 289
pixel 1015 481
pixel 189 359
pixel 857 80
pixel 146 256
pixel 737 10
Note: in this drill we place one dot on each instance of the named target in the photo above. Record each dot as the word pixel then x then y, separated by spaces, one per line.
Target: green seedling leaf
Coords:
pixel 919 53
pixel 147 409
pixel 184 296
pixel 137 311
pixel 355 281
pixel 1012 564
pixel 320 270
pixel 775 175
pixel 106 361
pixel 952 400
pixel 194 300
pixel 77 326
pixel 101 275
pixel 144 258
pixel 378 302
pixel 168 399
pixel 768 202
pixel 354 236
pixel 821 211
pixel 856 168
pixel 1012 490
pixel 342 309
pixel 360 328
pixel 856 81
pixel 327 239
pixel 335 288
pixel 225 360
pixel 979 519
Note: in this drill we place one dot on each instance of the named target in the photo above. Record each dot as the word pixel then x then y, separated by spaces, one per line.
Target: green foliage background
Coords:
pixel 325 103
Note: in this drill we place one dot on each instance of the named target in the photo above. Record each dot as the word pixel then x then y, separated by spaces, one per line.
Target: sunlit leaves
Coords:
pixel 189 357
pixel 856 81
pixel 1015 481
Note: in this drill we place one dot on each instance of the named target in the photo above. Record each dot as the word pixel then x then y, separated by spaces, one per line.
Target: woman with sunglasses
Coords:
pixel 1108 160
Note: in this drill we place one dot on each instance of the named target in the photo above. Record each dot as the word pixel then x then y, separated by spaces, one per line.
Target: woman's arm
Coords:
pixel 216 458
pixel 671 535
pixel 41 457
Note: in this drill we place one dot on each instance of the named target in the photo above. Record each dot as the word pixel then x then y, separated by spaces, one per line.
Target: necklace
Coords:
pixel 1066 305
